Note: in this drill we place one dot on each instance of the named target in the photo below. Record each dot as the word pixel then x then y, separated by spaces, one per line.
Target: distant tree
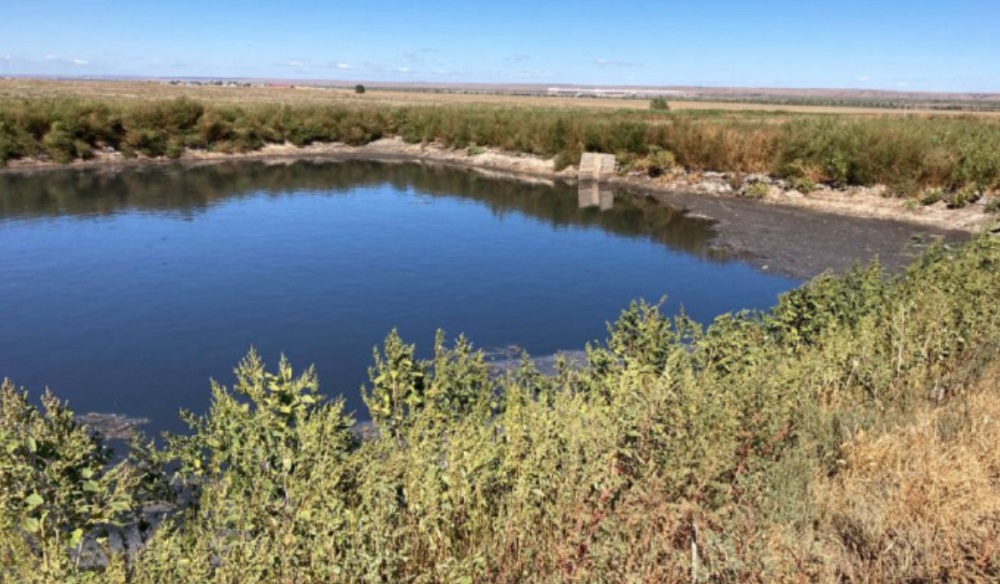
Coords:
pixel 359 89
pixel 659 103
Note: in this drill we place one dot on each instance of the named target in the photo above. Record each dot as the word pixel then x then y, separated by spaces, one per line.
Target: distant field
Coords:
pixel 130 90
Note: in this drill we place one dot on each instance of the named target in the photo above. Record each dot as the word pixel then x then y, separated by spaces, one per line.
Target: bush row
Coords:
pixel 910 154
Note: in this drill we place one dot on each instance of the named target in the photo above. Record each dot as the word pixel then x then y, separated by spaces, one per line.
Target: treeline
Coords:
pixel 847 435
pixel 911 154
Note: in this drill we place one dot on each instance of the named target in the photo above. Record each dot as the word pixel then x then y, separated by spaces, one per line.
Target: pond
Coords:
pixel 125 291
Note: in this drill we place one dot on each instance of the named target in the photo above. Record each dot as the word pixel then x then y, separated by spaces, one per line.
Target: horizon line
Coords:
pixel 554 85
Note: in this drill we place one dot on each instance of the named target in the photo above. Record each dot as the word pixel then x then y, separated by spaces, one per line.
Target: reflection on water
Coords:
pixel 186 192
pixel 595 194
pixel 126 291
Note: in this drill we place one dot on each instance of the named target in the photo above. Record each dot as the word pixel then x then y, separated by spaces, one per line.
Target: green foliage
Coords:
pixel 932 196
pixel 56 488
pixel 803 184
pixel 661 160
pixel 359 89
pixel 655 163
pixel 659 104
pixel 904 154
pixel 62 146
pixel 566 159
pixel 963 197
pixel 757 190
pixel 910 155
pixel 263 471
pixel 454 384
pixel 398 385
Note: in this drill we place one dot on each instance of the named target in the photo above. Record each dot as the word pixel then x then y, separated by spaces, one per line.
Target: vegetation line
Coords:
pixel 927 158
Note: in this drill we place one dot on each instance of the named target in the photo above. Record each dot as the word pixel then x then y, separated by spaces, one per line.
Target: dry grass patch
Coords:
pixel 922 503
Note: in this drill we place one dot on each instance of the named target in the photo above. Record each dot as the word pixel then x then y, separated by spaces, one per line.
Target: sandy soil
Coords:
pixel 859 202
pixel 867 203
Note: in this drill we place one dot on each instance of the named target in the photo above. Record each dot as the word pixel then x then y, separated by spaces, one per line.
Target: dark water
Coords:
pixel 126 291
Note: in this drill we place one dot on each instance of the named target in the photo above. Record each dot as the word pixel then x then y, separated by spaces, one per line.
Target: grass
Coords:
pixel 778 106
pixel 920 503
pixel 846 435
pixel 909 154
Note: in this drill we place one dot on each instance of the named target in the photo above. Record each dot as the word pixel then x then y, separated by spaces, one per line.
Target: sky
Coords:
pixel 926 45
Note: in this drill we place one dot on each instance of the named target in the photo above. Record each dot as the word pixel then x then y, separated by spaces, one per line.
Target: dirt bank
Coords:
pixel 860 202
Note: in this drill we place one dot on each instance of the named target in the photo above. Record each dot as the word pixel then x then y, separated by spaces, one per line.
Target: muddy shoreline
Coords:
pixel 863 202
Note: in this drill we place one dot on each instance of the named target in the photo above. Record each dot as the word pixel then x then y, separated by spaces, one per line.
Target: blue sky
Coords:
pixel 920 45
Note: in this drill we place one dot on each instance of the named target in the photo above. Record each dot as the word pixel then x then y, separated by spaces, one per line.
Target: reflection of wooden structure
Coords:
pixel 597 167
pixel 594 194
pixel 595 170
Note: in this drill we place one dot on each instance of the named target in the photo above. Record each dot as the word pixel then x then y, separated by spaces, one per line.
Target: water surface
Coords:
pixel 126 291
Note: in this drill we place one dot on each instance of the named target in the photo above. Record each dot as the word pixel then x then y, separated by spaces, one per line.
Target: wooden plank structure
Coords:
pixel 595 166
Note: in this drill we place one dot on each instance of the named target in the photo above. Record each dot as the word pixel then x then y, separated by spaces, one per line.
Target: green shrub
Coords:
pixel 657 162
pixel 932 196
pixel 57 486
pixel 660 161
pixel 566 159
pixel 963 197
pixel 909 155
pixel 174 149
pixel 60 144
pixel 757 190
pixel 659 104
pixel 803 184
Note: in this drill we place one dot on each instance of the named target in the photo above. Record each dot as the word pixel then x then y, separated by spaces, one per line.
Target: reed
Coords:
pixel 911 155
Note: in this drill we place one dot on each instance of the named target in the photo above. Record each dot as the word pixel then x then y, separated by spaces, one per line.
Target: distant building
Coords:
pixel 615 92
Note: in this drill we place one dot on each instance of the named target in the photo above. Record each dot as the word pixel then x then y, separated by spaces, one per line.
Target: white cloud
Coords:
pixel 864 78
pixel 80 62
pixel 404 70
pixel 343 66
pixel 51 58
pixel 297 64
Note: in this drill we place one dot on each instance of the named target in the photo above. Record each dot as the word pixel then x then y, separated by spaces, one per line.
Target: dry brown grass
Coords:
pixel 921 503
pixel 129 90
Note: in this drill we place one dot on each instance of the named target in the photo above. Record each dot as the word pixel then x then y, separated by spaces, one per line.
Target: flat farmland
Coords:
pixel 317 95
